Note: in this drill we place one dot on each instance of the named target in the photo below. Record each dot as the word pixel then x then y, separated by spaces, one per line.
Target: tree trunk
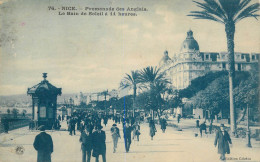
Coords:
pixel 134 96
pixel 241 116
pixel 230 32
pixel 159 115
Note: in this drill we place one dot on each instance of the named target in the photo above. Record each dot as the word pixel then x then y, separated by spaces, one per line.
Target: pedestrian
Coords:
pixel 105 119
pixel 203 127
pixel 152 128
pixel 132 120
pixel 43 145
pixel 99 143
pixel 86 144
pixel 197 123
pixel 223 140
pixel 136 132
pixel 210 127
pixel 179 118
pixel 82 125
pixel 116 119
pixel 163 125
pixel 78 120
pixel 115 135
pixel 127 136
pixel 72 124
pixel 59 118
pixel 57 124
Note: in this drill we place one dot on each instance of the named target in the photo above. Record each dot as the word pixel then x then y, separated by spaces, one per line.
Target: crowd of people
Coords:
pixel 93 138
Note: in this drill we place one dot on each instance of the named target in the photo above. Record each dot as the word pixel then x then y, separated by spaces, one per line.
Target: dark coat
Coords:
pixel 163 124
pixel 152 128
pixel 86 141
pixel 115 132
pixel 44 146
pixel 127 132
pixel 203 126
pixel 99 143
pixel 223 142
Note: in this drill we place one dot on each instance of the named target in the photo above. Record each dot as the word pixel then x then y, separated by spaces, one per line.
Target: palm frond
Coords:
pixel 248 12
pixel 130 81
pixel 225 11
pixel 243 4
pixel 230 7
pixel 204 15
pixel 212 8
pixel 214 5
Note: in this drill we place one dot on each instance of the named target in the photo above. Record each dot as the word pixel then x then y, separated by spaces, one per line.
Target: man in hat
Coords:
pixel 127 135
pixel 115 135
pixel 43 145
pixel 223 140
pixel 203 127
pixel 99 143
pixel 86 144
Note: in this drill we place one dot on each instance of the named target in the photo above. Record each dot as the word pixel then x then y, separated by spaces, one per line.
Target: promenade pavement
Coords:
pixel 171 146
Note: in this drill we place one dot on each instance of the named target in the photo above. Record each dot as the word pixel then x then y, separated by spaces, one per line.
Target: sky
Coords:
pixel 89 54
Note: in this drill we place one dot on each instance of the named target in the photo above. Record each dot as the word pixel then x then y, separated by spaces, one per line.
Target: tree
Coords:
pixel 227 12
pixel 159 92
pixel 200 83
pixel 24 112
pixel 105 94
pixel 152 78
pixel 246 95
pixel 125 103
pixel 142 101
pixel 131 81
pixel 15 112
pixel 8 111
pixel 214 98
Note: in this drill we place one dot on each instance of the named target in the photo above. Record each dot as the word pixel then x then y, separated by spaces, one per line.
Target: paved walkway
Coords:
pixel 171 146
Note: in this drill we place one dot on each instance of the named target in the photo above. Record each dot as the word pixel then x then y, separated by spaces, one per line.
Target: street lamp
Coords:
pixel 248 130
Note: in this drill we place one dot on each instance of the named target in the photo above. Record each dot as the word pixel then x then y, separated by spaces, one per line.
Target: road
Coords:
pixel 171 146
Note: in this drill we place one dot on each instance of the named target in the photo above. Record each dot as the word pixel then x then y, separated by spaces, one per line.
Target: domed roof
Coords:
pixel 164 59
pixel 189 43
pixel 44 87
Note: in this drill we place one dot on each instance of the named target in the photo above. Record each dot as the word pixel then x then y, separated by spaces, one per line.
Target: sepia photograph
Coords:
pixel 129 80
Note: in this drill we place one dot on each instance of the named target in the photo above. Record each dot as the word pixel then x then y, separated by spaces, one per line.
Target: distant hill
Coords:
pixel 26 99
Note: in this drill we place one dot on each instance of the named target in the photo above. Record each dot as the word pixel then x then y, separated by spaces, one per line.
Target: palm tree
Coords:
pixel 159 91
pixel 152 77
pixel 131 81
pixel 227 12
pixel 105 94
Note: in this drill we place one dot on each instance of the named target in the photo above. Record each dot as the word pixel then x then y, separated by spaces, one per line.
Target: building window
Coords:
pixel 242 57
pixel 239 67
pixel 214 57
pixel 253 57
pixel 223 65
pixel 207 57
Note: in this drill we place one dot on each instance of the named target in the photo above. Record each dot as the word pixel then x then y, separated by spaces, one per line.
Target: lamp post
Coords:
pixel 248 130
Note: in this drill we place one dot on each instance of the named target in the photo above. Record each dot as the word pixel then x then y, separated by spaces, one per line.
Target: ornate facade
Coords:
pixel 190 63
